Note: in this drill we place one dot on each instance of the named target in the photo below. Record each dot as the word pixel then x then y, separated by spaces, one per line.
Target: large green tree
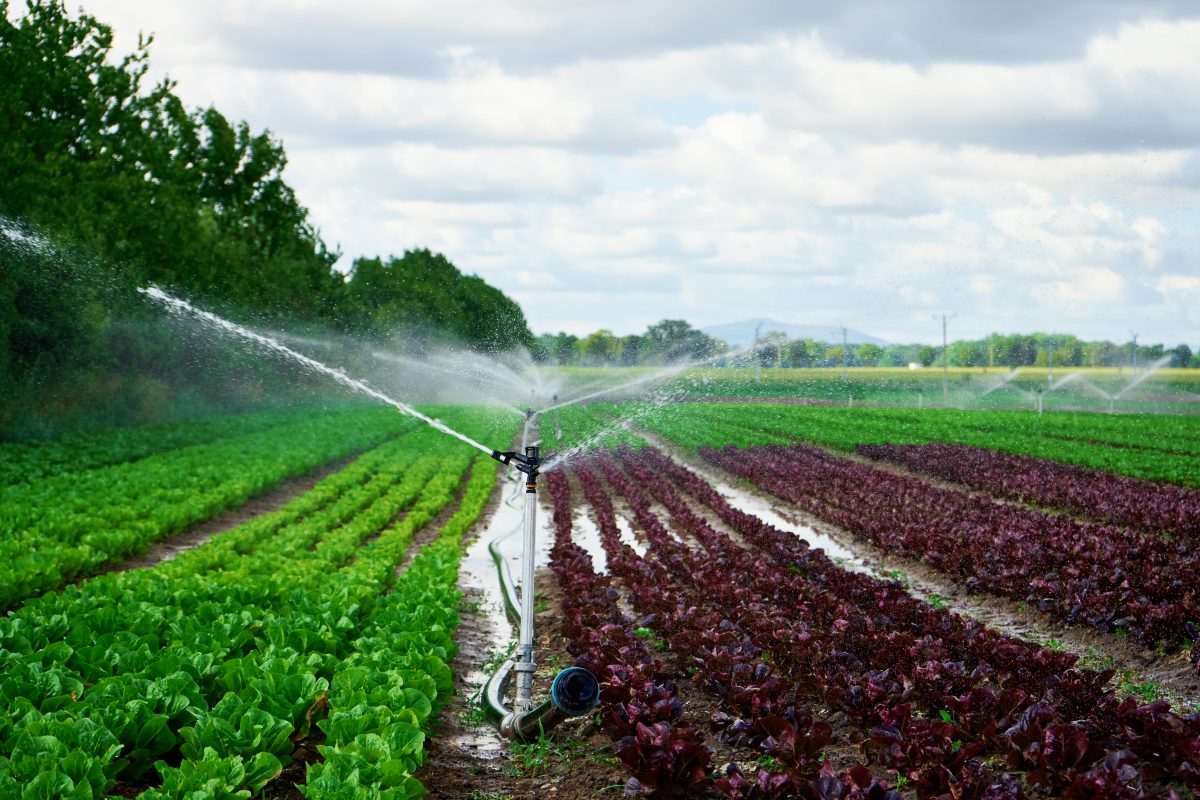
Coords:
pixel 421 294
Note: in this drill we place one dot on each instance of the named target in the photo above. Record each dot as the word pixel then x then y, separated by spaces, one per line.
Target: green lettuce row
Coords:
pixel 175 644
pixel 57 530
pixel 592 425
pixel 386 693
pixel 242 653
pixel 26 462
pixel 252 720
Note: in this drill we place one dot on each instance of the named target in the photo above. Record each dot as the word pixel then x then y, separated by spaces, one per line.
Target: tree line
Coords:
pixel 665 342
pixel 775 349
pixel 108 183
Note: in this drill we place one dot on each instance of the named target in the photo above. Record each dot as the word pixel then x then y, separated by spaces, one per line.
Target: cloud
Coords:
pixel 1024 165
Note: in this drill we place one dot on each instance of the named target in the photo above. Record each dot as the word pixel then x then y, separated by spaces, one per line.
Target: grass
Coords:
pixel 530 759
pixel 496 659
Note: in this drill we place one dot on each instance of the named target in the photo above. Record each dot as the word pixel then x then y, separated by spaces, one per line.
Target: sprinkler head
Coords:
pixel 527 462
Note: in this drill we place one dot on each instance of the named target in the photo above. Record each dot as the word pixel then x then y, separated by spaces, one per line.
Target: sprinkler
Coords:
pixel 575 691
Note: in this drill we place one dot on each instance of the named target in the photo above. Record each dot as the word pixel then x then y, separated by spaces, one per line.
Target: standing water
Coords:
pixel 175 305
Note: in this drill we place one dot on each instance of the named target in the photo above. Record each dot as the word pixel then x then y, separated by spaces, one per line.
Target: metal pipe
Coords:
pixel 525 666
pixel 575 691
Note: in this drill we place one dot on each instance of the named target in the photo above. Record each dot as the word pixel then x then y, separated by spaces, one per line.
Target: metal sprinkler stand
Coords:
pixel 575 691
pixel 525 665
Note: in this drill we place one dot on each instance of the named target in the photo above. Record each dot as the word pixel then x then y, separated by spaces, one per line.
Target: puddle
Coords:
pixel 478 571
pixel 629 537
pixel 586 533
pixel 769 513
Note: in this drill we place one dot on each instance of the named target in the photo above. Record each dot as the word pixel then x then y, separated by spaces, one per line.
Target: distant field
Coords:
pixel 1081 389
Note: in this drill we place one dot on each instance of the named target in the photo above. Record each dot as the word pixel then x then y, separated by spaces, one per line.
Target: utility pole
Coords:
pixel 992 351
pixel 1133 351
pixel 757 362
pixel 844 354
pixel 945 360
pixel 1050 361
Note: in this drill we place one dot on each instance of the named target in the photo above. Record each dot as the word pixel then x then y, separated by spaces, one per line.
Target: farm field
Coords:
pixel 824 679
pixel 1168 390
pixel 316 650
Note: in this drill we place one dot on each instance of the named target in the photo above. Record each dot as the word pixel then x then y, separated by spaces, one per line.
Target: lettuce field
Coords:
pixel 1012 610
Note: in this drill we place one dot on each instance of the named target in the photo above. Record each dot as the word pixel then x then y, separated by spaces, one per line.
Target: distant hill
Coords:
pixel 741 334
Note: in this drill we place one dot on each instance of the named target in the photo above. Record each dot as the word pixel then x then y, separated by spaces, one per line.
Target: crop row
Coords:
pixel 223 659
pixel 1110 578
pixel 1050 437
pixel 778 730
pixel 640 709
pixel 58 529
pixel 384 694
pixel 26 462
pixel 1087 493
pixel 935 694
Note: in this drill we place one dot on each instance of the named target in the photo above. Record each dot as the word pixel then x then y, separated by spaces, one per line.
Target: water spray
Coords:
pixel 575 691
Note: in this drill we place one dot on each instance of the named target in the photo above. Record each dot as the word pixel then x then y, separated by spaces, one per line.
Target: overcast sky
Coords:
pixel 1024 165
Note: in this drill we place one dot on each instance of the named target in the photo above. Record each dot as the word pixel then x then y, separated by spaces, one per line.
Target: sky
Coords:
pixel 1023 166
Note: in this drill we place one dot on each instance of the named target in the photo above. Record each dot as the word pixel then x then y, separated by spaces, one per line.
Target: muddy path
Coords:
pixel 465 758
pixel 1144 673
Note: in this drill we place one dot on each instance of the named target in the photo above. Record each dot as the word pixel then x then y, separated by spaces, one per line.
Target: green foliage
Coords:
pixel 213 776
pixel 231 652
pixel 422 289
pixel 665 342
pixel 60 528
pixel 1161 448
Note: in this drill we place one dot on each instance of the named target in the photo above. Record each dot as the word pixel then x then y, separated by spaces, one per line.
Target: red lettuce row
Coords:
pixel 1083 573
pixel 1119 500
pixel 721 658
pixel 640 710
pixel 934 690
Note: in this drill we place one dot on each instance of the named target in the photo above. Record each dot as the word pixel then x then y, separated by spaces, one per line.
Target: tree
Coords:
pixel 631 349
pixel 1181 356
pixel 422 295
pixel 796 354
pixel 600 347
pixel 566 348
pixel 868 355
pixel 675 340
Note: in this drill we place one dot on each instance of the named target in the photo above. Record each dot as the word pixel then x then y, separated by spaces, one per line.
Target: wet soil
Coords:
pixel 467 760
pixel 195 535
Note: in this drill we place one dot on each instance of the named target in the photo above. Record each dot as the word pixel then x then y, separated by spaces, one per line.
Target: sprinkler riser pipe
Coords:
pixel 525 664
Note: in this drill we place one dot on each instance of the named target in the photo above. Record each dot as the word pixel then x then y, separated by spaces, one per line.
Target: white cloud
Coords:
pixel 868 165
